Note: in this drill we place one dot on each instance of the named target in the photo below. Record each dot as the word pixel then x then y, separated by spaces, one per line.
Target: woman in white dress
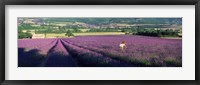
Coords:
pixel 122 45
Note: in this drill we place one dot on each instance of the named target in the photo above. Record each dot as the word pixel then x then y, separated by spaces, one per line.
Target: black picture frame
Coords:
pixel 99 2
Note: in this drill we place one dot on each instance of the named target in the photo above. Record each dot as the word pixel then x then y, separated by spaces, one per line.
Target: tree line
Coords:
pixel 154 32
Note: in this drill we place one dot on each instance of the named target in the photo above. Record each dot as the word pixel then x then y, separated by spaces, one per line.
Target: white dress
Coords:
pixel 121 45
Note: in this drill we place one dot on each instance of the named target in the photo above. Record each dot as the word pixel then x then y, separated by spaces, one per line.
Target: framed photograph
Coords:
pixel 99 41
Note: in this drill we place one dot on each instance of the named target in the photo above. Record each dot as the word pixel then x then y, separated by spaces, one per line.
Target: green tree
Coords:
pixel 76 30
pixel 22 35
pixel 69 33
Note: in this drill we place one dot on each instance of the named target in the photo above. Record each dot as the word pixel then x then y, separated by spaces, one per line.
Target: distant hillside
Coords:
pixel 104 21
pixel 140 26
pixel 95 23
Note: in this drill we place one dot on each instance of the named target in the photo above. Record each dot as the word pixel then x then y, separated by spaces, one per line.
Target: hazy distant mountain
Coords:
pixel 102 22
pixel 105 21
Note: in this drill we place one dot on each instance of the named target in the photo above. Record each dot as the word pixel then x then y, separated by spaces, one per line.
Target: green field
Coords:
pixel 172 37
pixel 60 35
pixel 98 33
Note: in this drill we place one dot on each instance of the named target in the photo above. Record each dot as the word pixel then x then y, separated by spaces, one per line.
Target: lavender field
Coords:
pixel 100 51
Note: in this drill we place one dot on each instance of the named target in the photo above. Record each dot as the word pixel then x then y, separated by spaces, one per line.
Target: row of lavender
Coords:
pixel 58 56
pixel 141 51
pixel 33 52
pixel 90 58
